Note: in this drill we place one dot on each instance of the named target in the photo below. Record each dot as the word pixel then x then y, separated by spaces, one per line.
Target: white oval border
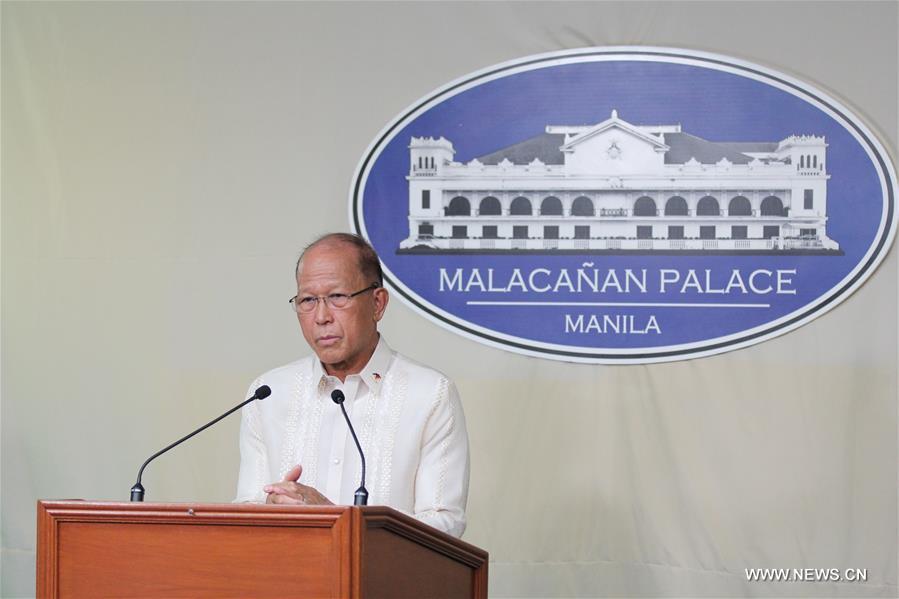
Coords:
pixel 826 301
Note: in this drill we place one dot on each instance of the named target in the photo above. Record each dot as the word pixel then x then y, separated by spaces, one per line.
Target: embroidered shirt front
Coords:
pixel 409 421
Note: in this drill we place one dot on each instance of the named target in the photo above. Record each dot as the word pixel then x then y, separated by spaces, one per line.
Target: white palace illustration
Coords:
pixel 618 187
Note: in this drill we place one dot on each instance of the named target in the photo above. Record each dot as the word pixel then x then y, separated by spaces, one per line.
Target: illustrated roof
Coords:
pixel 683 147
pixel 545 147
pixel 752 146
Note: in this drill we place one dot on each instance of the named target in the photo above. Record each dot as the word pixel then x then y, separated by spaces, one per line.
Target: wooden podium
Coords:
pixel 168 550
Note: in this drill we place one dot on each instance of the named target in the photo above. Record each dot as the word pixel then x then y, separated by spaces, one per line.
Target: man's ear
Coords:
pixel 381 297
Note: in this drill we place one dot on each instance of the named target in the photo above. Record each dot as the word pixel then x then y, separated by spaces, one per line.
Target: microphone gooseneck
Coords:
pixel 361 495
pixel 137 491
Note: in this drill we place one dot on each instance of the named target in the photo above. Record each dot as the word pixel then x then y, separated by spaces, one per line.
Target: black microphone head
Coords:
pixel 263 392
pixel 337 396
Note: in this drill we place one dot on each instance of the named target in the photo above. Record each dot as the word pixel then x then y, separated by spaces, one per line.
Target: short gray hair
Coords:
pixel 369 263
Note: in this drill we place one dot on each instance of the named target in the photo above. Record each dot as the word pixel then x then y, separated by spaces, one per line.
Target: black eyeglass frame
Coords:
pixel 329 299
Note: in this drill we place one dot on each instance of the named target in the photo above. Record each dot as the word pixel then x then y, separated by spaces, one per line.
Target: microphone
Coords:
pixel 137 491
pixel 361 495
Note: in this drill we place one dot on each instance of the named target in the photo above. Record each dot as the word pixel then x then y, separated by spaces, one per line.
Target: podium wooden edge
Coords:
pixel 46 544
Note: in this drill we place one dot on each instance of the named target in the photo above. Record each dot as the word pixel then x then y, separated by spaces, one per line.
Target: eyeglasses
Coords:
pixel 338 301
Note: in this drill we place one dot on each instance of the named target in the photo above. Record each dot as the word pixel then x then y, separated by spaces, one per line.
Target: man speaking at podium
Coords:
pixel 296 447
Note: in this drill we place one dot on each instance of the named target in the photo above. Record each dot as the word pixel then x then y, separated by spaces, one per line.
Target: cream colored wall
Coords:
pixel 164 162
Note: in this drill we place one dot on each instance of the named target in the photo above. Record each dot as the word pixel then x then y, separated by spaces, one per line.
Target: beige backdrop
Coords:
pixel 164 162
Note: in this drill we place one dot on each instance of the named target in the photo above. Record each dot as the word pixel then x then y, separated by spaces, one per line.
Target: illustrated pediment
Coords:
pixel 614 123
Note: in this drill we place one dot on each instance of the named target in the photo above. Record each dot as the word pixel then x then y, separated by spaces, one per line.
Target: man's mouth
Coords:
pixel 328 340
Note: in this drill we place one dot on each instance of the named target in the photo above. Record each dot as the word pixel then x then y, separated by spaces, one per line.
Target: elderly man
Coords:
pixel 295 446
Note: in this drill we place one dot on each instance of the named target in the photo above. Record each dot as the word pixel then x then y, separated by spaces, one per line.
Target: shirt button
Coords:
pixel 336 460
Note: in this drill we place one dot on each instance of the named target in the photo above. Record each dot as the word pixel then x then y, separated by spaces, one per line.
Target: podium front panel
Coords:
pixel 179 550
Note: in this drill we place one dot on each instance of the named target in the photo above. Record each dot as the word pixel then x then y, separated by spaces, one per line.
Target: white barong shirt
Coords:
pixel 409 421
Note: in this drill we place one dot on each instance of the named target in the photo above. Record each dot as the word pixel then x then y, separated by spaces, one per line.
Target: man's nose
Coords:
pixel 322 311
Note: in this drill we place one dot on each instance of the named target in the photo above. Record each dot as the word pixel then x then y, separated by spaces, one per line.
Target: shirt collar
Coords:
pixel 372 374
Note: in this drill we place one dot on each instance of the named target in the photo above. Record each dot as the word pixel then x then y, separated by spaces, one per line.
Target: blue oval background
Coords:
pixel 504 105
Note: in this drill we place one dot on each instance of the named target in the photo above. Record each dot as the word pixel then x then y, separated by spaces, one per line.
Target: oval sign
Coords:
pixel 625 204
